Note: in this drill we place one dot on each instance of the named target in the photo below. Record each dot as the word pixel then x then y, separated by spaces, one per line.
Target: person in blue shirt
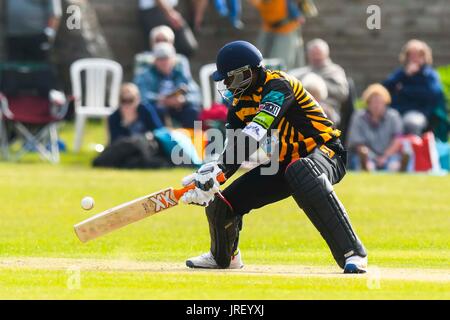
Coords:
pixel 165 86
pixel 132 117
pixel 416 85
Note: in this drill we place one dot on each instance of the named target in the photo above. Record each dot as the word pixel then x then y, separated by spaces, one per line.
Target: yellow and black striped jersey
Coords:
pixel 280 102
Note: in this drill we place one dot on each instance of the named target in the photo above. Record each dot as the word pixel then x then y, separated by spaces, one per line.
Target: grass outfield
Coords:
pixel 404 222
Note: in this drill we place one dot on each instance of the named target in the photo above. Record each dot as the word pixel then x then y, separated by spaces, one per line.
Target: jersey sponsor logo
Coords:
pixel 265 120
pixel 163 200
pixel 275 97
pixel 255 130
pixel 270 108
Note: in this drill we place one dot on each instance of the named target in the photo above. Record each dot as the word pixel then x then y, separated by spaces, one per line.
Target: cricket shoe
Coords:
pixel 355 264
pixel 207 261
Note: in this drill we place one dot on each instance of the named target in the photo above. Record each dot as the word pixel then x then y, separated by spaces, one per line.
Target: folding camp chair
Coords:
pixel 29 112
pixel 33 121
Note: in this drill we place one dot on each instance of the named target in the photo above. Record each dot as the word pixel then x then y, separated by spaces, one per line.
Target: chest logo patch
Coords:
pixel 274 97
pixel 270 108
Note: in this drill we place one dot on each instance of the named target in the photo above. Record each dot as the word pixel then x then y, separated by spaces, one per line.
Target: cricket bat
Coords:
pixel 132 211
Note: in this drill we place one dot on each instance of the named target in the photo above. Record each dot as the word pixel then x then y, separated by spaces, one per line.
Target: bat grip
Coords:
pixel 178 193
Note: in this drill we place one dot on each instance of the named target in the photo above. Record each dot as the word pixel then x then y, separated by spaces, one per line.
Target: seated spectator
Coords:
pixel 415 85
pixel 165 86
pixel 131 118
pixel 317 87
pixel 133 143
pixel 319 62
pixel 375 134
pixel 157 35
pixel 163 12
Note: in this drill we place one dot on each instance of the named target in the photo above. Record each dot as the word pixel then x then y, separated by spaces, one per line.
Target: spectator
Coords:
pixel 319 62
pixel 132 142
pixel 162 12
pixel 161 34
pixel 31 27
pixel 315 85
pixel 231 9
pixel 375 134
pixel 165 86
pixel 138 139
pixel 157 35
pixel 415 85
pixel 131 118
pixel 280 36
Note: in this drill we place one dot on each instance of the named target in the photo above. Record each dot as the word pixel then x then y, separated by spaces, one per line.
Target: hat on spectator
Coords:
pixel 162 34
pixel 164 50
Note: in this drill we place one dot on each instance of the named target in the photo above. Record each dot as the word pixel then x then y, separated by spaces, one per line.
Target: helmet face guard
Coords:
pixel 236 83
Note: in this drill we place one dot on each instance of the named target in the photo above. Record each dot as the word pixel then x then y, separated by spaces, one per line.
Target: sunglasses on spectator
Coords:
pixel 127 101
pixel 161 39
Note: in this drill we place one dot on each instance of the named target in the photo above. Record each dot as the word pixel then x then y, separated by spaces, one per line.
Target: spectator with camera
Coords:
pixel 157 35
pixel 166 86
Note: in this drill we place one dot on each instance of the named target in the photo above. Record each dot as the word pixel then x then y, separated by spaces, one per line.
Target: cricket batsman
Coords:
pixel 310 158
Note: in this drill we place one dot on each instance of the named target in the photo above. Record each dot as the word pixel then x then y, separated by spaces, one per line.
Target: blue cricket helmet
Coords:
pixel 235 55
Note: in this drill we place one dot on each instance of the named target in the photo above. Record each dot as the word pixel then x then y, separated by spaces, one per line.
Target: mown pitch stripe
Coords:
pixel 408 274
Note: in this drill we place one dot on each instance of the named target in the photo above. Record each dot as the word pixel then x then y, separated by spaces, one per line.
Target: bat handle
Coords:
pixel 178 193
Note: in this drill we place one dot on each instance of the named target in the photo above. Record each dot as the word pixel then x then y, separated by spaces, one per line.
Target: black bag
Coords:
pixel 136 152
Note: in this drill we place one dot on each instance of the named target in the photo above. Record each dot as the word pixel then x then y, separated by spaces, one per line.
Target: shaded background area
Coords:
pixel 367 55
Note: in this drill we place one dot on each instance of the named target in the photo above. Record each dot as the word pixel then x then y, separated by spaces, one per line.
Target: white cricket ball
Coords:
pixel 87 203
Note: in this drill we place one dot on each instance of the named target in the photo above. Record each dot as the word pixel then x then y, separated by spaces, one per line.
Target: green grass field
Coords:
pixel 403 220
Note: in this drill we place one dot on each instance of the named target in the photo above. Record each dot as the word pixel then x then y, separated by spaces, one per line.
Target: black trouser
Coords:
pixel 254 190
pixel 309 181
pixel 185 42
pixel 28 48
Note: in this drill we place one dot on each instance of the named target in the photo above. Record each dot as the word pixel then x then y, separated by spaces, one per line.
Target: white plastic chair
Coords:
pixel 91 102
pixel 3 133
pixel 207 85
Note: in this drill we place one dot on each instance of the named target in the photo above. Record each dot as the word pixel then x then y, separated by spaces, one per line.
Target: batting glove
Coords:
pixel 206 184
pixel 198 197
pixel 206 177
